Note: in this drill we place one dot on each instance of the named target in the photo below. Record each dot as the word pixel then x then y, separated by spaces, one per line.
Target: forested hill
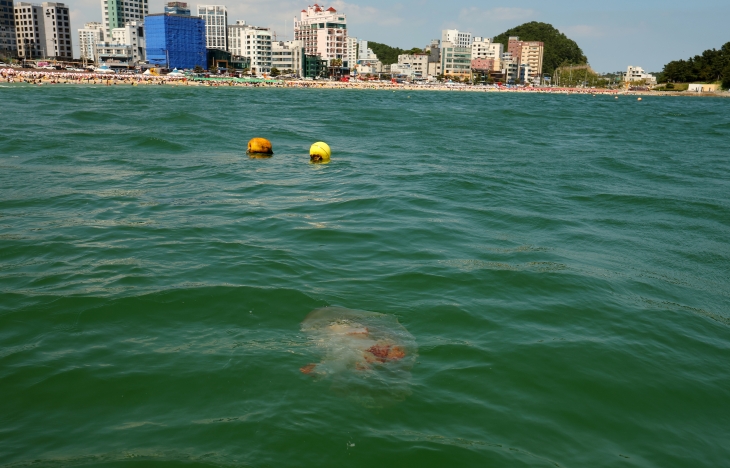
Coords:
pixel 389 55
pixel 712 65
pixel 559 49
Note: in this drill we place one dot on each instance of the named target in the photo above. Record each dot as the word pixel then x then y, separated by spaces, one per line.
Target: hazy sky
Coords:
pixel 613 34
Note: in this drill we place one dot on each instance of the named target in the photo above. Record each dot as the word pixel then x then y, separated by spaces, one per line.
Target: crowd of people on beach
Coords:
pixel 37 77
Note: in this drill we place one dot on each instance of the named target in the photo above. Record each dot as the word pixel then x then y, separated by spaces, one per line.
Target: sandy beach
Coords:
pixel 47 77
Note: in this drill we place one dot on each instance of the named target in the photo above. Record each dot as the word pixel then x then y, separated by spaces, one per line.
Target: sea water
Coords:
pixel 561 264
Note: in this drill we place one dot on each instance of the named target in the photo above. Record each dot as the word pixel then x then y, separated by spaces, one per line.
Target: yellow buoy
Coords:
pixel 639 99
pixel 259 147
pixel 320 152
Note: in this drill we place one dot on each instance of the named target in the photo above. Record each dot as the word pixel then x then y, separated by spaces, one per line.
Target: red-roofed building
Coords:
pixel 323 33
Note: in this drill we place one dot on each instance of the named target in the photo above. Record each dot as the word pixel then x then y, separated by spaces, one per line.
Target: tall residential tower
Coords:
pixel 216 26
pixel 323 32
pixel 8 44
pixel 117 13
pixel 43 31
pixel 252 42
pixel 89 35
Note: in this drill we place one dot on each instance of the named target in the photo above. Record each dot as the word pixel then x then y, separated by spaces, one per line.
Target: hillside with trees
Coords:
pixel 712 65
pixel 389 55
pixel 559 49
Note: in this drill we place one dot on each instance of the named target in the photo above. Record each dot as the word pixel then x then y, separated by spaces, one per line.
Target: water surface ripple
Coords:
pixel 561 262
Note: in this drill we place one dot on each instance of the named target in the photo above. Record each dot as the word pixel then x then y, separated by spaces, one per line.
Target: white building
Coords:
pixel 351 45
pixel 132 34
pixel 455 60
pixel 288 55
pixel 89 35
pixel 526 75
pixel 117 13
pixel 364 52
pixel 31 41
pixel 113 55
pixel 703 88
pixel 638 74
pixel 252 42
pixel 216 26
pixel 323 32
pixel 417 65
pixel 484 48
pixel 58 30
pixel 456 37
pixel 43 30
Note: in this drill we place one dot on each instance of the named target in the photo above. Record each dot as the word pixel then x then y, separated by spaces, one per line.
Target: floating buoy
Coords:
pixel 615 97
pixel 320 152
pixel 639 99
pixel 259 147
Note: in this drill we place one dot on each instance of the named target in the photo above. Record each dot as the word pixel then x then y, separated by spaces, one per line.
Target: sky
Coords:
pixel 613 34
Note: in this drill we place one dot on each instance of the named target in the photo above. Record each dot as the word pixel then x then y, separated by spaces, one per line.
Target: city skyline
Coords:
pixel 612 38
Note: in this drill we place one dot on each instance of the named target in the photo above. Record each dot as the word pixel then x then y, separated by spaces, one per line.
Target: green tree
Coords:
pixel 275 72
pixel 712 65
pixel 559 49
pixel 726 77
pixel 198 69
pixel 389 55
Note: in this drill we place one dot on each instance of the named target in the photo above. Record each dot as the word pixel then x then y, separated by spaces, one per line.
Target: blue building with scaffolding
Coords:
pixel 175 41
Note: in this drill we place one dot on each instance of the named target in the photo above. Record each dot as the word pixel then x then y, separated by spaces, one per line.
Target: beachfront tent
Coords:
pixel 104 69
pixel 176 72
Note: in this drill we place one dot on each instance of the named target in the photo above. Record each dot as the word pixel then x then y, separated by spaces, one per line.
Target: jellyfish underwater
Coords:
pixel 368 356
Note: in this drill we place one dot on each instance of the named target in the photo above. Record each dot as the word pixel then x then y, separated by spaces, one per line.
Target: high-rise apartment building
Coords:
pixel 8 41
pixel 364 52
pixel 175 41
pixel 323 32
pixel 455 60
pixel 252 42
pixel 58 30
pixel 30 31
pixel 528 53
pixel 89 35
pixel 177 8
pixel 132 34
pixel 216 26
pixel 484 48
pixel 456 37
pixel 43 30
pixel 351 48
pixel 117 13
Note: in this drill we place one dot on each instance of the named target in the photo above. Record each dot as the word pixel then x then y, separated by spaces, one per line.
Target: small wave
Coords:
pixel 149 143
pixel 165 457
pixel 474 264
pixel 88 116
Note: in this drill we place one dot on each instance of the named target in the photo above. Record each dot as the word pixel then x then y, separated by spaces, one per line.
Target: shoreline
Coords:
pixel 39 78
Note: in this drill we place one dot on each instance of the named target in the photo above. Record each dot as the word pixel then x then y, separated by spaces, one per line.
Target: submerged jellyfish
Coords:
pixel 368 356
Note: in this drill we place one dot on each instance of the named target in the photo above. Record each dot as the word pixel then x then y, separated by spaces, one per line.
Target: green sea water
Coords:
pixel 560 265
